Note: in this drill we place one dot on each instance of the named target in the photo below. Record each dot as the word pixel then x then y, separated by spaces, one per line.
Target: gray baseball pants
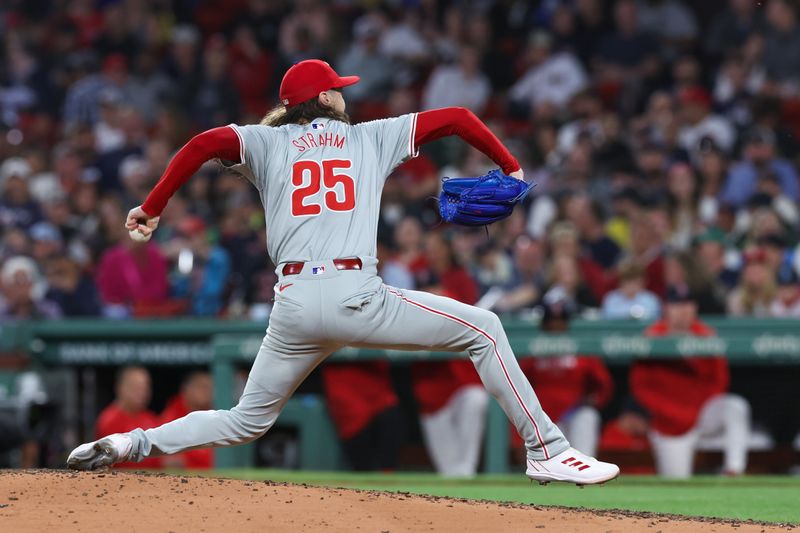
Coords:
pixel 322 310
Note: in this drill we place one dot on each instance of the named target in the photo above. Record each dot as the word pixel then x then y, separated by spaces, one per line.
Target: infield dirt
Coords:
pixel 55 501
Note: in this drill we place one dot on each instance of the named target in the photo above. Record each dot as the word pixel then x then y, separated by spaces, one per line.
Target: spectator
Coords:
pixel 566 283
pixel 364 407
pixel 251 69
pixel 786 303
pixel 551 79
pixel 526 285
pixel 781 57
pixel 671 21
pixel 684 271
pixel 756 289
pixel 459 85
pixel 365 58
pixel 17 208
pixel 759 160
pixel 631 300
pixel 215 101
pixel 22 296
pixel 647 249
pixel 564 241
pixel 710 248
pixel 196 394
pixel 683 195
pixel 701 128
pixel 46 241
pixel 129 411
pixel 131 277
pixel 628 54
pixel 572 388
pixel 202 269
pixel 452 403
pixel 588 219
pixel 730 29
pixel 81 104
pixel 586 109
pixel 73 291
pixel 703 409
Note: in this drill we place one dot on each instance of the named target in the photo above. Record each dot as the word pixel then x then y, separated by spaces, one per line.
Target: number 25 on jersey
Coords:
pixel 309 176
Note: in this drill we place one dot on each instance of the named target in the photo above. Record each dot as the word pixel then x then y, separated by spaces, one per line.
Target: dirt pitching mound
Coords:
pixel 55 501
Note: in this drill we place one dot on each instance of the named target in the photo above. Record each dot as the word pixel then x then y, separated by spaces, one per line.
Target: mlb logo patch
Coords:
pixel 318 126
pixel 318 270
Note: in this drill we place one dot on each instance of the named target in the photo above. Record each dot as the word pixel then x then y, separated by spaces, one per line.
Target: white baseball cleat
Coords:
pixel 571 466
pixel 100 453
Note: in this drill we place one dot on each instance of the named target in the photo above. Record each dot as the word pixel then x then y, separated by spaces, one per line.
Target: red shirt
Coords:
pixel 194 459
pixel 127 276
pixel 563 383
pixel 114 420
pixel 674 390
pixel 436 381
pixel 356 393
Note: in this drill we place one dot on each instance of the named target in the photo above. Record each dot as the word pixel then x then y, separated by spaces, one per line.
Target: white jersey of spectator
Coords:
pixel 449 86
pixel 714 127
pixel 554 82
pixel 404 42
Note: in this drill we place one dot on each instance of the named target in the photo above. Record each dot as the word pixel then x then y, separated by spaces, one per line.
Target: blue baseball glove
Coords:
pixel 482 200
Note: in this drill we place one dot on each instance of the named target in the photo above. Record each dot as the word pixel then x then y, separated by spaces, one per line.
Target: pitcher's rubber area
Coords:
pixel 56 501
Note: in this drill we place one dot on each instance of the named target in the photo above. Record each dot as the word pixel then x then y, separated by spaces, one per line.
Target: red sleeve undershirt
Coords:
pixel 438 123
pixel 223 143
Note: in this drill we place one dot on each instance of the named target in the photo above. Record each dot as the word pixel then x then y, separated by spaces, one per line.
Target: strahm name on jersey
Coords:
pixel 316 140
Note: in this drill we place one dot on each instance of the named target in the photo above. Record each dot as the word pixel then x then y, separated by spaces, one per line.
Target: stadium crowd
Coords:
pixel 662 136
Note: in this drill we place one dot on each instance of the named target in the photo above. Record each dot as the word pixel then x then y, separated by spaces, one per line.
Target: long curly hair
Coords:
pixel 302 113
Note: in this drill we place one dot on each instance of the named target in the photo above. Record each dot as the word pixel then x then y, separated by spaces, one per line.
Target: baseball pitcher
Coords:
pixel 320 180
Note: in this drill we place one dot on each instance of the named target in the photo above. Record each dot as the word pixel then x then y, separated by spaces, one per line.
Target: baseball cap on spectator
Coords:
pixel 14 166
pixel 759 136
pixel 556 315
pixel 711 234
pixel 695 95
pixel 45 231
pixel 306 79
pixel 191 226
pixel 679 294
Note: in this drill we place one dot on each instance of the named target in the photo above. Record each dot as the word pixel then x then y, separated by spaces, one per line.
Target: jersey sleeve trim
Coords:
pixel 413 151
pixel 241 142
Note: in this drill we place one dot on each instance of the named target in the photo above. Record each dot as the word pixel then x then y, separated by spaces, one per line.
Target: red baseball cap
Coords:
pixel 306 79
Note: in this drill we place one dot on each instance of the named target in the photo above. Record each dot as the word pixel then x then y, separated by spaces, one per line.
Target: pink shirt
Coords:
pixel 127 276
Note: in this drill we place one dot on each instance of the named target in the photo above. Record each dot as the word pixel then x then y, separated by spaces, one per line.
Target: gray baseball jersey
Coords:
pixel 321 185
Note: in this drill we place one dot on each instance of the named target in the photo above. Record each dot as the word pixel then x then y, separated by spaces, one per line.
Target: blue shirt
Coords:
pixel 643 306
pixel 743 178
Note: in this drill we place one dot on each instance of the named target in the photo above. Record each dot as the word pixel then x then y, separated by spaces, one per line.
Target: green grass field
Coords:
pixel 763 498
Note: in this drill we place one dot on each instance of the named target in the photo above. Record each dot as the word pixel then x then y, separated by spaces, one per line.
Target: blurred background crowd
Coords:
pixel 661 134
